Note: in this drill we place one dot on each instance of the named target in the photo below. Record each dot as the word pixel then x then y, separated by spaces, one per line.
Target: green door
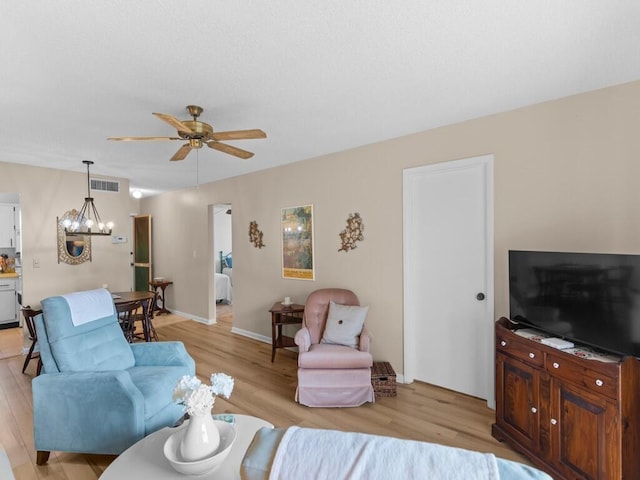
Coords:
pixel 142 252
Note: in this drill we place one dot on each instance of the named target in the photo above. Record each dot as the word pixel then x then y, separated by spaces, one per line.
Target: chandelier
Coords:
pixel 88 221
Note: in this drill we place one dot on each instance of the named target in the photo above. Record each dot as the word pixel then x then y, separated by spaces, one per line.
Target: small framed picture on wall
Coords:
pixel 297 242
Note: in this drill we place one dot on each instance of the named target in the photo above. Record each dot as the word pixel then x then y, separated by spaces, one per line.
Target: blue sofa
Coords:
pixel 97 393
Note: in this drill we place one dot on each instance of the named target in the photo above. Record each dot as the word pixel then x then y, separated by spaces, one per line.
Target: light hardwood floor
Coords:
pixel 263 389
pixel 10 342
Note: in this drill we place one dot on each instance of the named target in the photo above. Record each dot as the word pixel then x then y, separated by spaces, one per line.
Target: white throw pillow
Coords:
pixel 344 324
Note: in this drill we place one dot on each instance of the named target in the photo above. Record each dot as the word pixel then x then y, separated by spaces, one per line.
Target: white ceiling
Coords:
pixel 317 77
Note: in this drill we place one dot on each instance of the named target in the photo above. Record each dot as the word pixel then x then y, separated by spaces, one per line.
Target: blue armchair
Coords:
pixel 97 393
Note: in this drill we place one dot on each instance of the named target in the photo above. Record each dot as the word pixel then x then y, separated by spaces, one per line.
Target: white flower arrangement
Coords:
pixel 198 398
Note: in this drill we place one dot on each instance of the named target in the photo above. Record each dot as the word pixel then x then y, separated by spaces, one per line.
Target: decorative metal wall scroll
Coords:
pixel 353 233
pixel 255 235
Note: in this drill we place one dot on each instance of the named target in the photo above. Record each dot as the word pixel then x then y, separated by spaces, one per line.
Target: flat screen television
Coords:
pixel 588 298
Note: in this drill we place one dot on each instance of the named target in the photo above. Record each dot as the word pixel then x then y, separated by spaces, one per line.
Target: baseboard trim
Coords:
pixel 253 335
pixel 193 317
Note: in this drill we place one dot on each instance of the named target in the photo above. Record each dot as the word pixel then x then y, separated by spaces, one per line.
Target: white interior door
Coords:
pixel 448 275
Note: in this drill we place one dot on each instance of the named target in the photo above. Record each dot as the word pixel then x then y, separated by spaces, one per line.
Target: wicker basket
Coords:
pixel 383 379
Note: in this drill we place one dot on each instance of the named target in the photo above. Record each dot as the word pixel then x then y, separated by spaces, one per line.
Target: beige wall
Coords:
pixel 566 176
pixel 48 193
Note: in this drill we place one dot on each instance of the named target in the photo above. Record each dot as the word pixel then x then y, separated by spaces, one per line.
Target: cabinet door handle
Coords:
pixel 534 410
pixel 556 365
pixel 553 421
pixel 503 343
pixel 532 355
pixel 599 382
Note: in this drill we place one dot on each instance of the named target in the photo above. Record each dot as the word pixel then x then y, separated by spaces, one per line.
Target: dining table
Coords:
pixel 144 298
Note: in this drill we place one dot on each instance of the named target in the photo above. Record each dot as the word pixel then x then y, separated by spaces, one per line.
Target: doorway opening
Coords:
pixel 222 255
pixel 11 264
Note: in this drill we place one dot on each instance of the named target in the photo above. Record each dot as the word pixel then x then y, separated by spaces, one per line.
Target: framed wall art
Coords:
pixel 297 242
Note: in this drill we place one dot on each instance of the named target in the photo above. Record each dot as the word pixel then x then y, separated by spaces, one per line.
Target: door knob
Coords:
pixel 480 296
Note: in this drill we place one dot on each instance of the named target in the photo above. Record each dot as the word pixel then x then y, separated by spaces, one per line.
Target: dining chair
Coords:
pixel 29 314
pixel 146 316
pixel 127 318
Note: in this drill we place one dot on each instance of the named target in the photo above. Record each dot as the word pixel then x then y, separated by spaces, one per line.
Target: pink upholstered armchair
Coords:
pixel 331 374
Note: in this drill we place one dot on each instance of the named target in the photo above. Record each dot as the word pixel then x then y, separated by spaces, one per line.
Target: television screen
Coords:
pixel 587 298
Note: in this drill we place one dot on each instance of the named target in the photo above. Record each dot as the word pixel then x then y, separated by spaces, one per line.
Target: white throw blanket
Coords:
pixel 89 305
pixel 333 455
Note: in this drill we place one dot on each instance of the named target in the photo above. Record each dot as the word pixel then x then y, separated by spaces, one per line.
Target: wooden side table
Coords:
pixel 159 288
pixel 283 315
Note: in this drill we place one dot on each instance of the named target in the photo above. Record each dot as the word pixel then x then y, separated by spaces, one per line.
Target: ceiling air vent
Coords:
pixel 105 185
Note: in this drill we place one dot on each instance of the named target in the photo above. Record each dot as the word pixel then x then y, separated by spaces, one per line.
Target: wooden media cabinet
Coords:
pixel 572 415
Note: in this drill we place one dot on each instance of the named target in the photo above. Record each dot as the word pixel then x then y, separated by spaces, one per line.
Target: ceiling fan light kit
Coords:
pixel 198 134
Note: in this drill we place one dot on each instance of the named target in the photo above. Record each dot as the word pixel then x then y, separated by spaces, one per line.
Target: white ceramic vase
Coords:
pixel 201 438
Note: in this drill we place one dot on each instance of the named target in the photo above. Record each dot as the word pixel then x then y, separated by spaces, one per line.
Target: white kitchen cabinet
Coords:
pixel 8 309
pixel 17 221
pixel 7 226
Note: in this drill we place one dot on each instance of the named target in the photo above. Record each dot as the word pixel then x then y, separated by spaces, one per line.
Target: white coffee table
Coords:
pixel 145 459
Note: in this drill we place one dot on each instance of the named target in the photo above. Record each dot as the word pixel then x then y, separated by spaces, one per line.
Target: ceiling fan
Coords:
pixel 198 133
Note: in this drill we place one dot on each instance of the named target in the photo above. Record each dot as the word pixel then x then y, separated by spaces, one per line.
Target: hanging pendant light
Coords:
pixel 88 221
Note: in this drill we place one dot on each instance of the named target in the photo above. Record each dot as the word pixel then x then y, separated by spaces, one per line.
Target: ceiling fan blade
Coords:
pixel 182 153
pixel 237 135
pixel 174 122
pixel 132 139
pixel 235 151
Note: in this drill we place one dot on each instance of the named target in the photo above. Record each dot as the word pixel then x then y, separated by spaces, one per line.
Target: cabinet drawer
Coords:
pixel 563 367
pixel 526 351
